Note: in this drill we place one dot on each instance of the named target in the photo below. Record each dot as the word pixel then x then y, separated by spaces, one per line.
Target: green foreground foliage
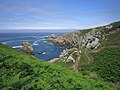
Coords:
pixel 23 72
pixel 107 64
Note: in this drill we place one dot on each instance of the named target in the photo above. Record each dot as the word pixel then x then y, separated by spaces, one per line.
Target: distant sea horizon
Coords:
pixel 36 30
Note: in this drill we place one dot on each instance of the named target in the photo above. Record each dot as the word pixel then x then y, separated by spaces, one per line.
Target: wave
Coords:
pixel 43 53
pixel 44 36
pixel 35 43
pixel 6 42
pixel 44 41
pixel 3 43
pixel 19 37
pixel 16 46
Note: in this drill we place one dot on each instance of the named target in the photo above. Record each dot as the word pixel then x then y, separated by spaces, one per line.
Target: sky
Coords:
pixel 57 14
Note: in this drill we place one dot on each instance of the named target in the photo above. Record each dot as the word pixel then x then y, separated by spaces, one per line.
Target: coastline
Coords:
pixel 53 60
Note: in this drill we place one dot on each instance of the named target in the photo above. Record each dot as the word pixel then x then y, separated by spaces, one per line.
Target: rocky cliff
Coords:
pixel 89 38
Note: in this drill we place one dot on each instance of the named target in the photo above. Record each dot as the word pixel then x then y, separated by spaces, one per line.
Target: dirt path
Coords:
pixel 75 66
pixel 86 52
pixel 88 58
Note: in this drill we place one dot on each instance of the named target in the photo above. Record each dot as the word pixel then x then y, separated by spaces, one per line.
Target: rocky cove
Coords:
pixel 73 42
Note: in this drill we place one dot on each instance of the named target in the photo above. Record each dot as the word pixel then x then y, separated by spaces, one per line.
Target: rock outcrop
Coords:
pixel 27 48
pixel 91 39
pixel 52 36
pixel 69 55
pixel 57 40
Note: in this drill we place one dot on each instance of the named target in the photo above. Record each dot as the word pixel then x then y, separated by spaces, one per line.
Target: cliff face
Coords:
pixel 89 39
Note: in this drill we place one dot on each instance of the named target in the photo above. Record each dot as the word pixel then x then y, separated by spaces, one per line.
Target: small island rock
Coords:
pixel 27 48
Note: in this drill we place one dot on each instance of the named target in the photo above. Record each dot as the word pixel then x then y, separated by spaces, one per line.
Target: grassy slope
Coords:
pixel 112 40
pixel 20 71
pixel 107 64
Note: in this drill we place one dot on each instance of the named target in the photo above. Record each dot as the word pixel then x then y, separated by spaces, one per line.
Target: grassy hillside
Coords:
pixel 103 62
pixel 19 71
pixel 111 40
pixel 106 64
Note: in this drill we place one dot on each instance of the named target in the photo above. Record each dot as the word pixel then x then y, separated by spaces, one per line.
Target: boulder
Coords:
pixel 52 36
pixel 27 48
pixel 70 58
pixel 91 39
pixel 57 40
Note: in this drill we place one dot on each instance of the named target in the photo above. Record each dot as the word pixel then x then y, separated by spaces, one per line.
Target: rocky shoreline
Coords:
pixel 90 40
pixel 57 40
pixel 75 40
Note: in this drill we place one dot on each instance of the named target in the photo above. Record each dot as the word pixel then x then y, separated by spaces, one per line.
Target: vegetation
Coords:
pixel 116 25
pixel 107 64
pixel 112 39
pixel 23 72
pixel 102 63
pixel 83 32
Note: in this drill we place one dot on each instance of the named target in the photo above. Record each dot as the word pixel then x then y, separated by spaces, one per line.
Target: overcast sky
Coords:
pixel 57 14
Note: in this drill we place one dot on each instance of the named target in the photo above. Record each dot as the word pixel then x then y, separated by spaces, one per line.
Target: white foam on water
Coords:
pixel 7 42
pixel 16 46
pixel 3 43
pixel 43 53
pixel 35 43
pixel 44 41
pixel 44 36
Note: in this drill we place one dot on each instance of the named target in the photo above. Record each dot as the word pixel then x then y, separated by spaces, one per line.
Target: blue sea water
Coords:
pixel 37 41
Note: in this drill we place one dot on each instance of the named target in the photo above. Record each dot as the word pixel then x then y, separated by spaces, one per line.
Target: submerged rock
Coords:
pixel 40 52
pixel 27 48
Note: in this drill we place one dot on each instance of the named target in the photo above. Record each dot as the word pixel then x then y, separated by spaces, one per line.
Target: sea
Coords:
pixel 37 41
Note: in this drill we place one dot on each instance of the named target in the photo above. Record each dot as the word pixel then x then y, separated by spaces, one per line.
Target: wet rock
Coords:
pixel 57 40
pixel 27 48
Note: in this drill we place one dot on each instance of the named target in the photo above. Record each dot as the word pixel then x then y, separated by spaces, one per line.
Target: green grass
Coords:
pixel 107 64
pixel 63 64
pixel 116 25
pixel 112 39
pixel 83 32
pixel 23 72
